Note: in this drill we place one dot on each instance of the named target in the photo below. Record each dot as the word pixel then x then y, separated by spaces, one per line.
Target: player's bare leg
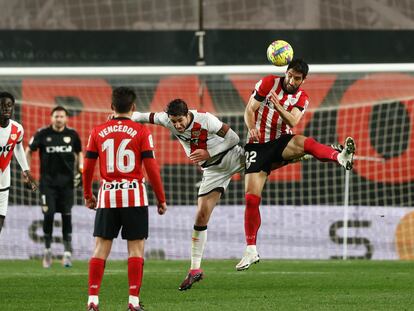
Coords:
pixel 205 207
pixel 254 183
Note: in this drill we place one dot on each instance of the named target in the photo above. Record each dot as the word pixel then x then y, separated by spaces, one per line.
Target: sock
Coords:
pixel 135 273
pixel 96 272
pixel 251 249
pixel 93 299
pixel 320 151
pixel 252 219
pixel 133 300
pixel 198 241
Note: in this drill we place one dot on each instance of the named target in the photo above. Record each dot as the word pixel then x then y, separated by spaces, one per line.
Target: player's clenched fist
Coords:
pixel 90 202
pixel 162 208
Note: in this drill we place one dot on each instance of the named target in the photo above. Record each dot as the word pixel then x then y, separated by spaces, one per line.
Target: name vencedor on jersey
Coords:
pixel 116 129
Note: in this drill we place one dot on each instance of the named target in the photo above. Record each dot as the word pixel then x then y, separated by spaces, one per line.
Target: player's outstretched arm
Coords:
pixel 142 117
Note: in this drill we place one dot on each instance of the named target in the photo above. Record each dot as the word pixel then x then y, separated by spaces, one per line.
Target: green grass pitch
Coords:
pixel 269 285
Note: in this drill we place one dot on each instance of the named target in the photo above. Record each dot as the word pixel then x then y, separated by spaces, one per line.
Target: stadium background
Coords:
pixel 375 108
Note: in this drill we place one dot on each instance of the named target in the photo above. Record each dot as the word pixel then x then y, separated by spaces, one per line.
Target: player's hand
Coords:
pixel 29 181
pixel 275 100
pixel 162 208
pixel 77 180
pixel 254 134
pixel 199 155
pixel 90 202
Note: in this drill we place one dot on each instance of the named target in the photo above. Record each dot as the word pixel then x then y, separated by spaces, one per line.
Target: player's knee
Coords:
pixel 252 200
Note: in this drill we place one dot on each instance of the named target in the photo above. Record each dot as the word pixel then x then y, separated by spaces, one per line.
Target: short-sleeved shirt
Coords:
pixel 201 133
pixel 121 144
pixel 268 120
pixel 57 155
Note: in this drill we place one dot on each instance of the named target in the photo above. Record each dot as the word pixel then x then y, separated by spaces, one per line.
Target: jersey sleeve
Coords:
pixel 77 145
pixel 35 141
pixel 263 88
pixel 146 143
pixel 303 102
pixel 92 148
pixel 21 134
pixel 159 118
pixel 213 123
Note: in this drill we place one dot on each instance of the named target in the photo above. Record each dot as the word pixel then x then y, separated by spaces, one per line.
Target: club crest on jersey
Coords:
pixel 67 139
pixel 13 136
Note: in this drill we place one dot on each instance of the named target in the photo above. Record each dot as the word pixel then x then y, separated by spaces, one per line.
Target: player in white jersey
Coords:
pixel 211 144
pixel 11 137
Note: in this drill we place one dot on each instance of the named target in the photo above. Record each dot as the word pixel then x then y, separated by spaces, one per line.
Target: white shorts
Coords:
pixel 219 175
pixel 4 202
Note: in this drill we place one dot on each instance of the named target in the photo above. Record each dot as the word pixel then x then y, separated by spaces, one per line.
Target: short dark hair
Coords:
pixel 59 108
pixel 7 95
pixel 123 98
pixel 177 107
pixel 299 65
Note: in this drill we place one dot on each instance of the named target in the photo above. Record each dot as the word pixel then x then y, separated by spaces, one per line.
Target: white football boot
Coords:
pixel 346 156
pixel 247 260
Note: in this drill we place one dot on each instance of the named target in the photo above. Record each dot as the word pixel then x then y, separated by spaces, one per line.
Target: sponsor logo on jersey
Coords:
pixel 187 139
pixel 117 185
pixel 67 139
pixel 6 149
pixel 58 149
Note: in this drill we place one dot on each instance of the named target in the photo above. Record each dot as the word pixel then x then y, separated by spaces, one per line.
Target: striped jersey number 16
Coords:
pixel 123 158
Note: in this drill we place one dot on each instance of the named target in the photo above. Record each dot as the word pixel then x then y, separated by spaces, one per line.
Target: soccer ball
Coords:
pixel 279 53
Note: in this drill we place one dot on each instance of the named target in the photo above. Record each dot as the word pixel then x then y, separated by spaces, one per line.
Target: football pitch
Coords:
pixel 269 285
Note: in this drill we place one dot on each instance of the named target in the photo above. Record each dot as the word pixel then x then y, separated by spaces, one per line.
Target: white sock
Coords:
pixel 94 299
pixel 134 300
pixel 251 249
pixel 198 241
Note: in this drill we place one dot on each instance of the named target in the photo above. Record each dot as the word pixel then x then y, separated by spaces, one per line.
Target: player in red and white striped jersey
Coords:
pixel 275 107
pixel 121 146
pixel 11 141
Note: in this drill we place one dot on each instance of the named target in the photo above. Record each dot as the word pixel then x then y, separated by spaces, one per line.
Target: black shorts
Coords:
pixel 133 220
pixel 56 200
pixel 260 157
